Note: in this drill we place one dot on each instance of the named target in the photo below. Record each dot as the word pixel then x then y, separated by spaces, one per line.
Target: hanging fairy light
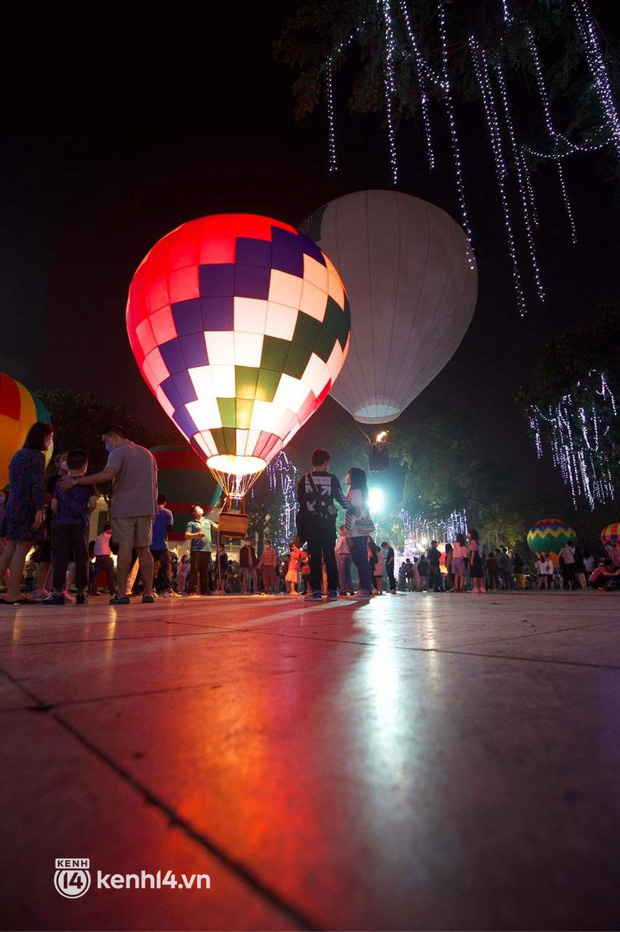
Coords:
pixel 422 530
pixel 557 138
pixel 282 478
pixel 329 78
pixel 329 88
pixel 577 429
pixel 456 150
pixel 423 75
pixel 481 69
pixel 395 18
pixel 521 181
pixel 588 33
pixel 389 84
pixel 530 188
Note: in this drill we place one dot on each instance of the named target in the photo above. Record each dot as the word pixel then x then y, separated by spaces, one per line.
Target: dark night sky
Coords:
pixel 113 132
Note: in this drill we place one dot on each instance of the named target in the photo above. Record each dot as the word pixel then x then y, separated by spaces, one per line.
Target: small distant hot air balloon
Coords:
pixel 550 535
pixel 240 325
pixel 412 285
pixel 610 534
pixel 19 410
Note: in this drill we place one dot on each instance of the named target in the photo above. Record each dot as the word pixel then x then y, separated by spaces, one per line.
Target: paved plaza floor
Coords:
pixel 417 762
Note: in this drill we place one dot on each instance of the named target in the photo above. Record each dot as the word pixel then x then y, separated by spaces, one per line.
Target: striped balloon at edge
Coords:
pixel 611 534
pixel 19 410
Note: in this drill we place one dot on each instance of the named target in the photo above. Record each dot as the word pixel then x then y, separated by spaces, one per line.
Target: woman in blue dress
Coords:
pixel 23 518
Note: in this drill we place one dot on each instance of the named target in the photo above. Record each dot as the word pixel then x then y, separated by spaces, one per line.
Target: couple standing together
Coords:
pixel 317 493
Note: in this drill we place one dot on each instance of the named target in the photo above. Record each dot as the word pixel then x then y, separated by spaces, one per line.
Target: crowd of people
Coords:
pixel 465 564
pixel 44 541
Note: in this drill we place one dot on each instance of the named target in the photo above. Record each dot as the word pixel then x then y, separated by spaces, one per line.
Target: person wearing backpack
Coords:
pixel 317 493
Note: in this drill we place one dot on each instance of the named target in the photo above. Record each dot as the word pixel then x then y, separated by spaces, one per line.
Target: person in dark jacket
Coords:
pixel 434 575
pixel 318 492
pixel 388 562
pixel 248 561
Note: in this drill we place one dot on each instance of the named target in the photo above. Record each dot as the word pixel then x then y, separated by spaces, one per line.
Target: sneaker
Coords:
pixel 81 598
pixel 392 591
pixel 165 595
pixel 56 598
pixel 148 599
pixel 314 597
pixel 362 594
pixel 120 600
pixel 40 594
pixel 332 595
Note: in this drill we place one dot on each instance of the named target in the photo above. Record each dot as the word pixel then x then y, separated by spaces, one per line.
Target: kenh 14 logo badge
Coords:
pixel 72 877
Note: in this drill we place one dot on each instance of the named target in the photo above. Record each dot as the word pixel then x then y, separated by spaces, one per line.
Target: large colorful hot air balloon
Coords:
pixel 549 536
pixel 19 410
pixel 183 478
pixel 610 534
pixel 240 325
pixel 412 287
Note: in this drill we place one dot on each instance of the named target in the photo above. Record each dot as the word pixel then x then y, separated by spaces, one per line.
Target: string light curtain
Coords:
pixel 578 431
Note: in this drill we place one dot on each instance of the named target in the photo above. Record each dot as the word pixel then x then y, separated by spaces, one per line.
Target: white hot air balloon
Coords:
pixel 412 288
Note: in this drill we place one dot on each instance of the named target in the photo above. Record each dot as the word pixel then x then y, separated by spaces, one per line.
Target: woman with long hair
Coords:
pixel 24 516
pixel 459 560
pixel 356 533
pixel 476 570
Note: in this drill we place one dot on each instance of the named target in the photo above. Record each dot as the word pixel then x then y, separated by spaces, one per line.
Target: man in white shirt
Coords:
pixel 103 562
pixel 567 562
pixel 544 568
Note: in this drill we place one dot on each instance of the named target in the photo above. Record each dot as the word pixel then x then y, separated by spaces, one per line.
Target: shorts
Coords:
pixel 135 531
pixel 458 566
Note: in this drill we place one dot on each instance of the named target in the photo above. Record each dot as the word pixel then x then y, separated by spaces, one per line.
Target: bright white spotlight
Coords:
pixel 376 500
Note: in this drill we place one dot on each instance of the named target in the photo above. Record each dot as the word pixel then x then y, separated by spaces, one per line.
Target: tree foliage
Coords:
pixel 314 33
pixel 80 419
pixel 265 508
pixel 567 358
pixel 446 473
